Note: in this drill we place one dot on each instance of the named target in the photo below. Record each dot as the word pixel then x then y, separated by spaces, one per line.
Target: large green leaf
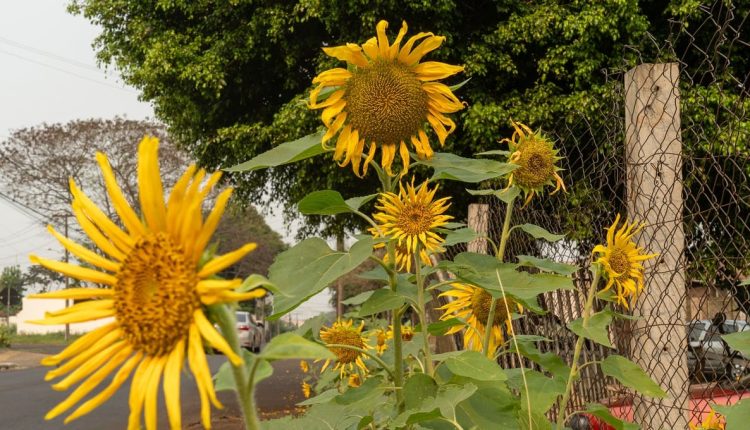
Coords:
pixel 506 194
pixel 417 389
pixel 358 299
pixel 547 265
pixel 462 235
pixel 631 375
pixel 539 233
pixel 309 267
pixel 605 415
pixel 453 167
pixel 490 407
pixel 288 152
pixel 549 361
pixel 292 345
pixel 439 328
pixel 737 415
pixel 473 364
pixel 381 300
pixel 330 202
pixel 543 390
pixel 596 329
pixel 739 341
pixel 224 378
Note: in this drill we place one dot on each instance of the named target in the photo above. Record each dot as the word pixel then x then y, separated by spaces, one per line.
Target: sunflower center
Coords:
pixel 618 261
pixel 415 219
pixel 481 301
pixel 385 103
pixel 155 295
pixel 345 337
pixel 536 164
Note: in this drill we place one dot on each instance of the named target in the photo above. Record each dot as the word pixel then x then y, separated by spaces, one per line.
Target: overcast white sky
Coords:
pixel 48 73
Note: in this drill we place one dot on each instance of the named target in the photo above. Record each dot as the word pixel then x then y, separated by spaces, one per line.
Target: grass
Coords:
pixel 57 338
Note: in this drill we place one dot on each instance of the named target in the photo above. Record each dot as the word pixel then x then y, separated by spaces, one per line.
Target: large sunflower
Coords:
pixel 472 304
pixel 711 422
pixel 536 159
pixel 384 98
pixel 344 333
pixel 155 290
pixel 621 259
pixel 412 217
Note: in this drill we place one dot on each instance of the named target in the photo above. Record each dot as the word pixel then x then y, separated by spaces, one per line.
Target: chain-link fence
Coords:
pixel 670 147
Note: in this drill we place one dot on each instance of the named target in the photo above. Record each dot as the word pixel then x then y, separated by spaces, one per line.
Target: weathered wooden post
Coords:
pixel 653 154
pixel 479 217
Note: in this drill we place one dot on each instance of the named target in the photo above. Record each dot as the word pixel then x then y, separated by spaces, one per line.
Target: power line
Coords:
pixel 48 54
pixel 59 69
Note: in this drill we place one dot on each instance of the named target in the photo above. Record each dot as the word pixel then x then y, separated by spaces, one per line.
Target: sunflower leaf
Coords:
pixel 381 300
pixel 439 328
pixel 292 345
pixel 605 415
pixel 546 265
pixel 474 365
pixel 288 152
pixel 224 378
pixel 739 341
pixel 462 235
pixel 452 167
pixel 631 375
pixel 737 415
pixel 459 85
pixel 539 233
pixel 308 267
pixel 596 329
pixel 506 194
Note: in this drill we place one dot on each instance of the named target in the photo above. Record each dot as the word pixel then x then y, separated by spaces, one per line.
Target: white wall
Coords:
pixel 34 309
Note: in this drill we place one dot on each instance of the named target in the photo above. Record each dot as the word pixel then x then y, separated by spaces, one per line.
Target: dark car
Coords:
pixel 709 357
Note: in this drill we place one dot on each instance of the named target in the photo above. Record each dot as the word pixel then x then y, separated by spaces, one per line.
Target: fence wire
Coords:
pixel 686 176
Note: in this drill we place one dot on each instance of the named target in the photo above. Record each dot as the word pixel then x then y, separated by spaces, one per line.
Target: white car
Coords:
pixel 248 332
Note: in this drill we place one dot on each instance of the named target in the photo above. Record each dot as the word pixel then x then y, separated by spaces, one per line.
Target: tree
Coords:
pixel 11 289
pixel 42 279
pixel 230 79
pixel 37 162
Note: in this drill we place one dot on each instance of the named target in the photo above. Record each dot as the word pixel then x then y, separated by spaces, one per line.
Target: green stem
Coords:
pixel 245 386
pixel 365 352
pixel 574 368
pixel 421 312
pixel 398 352
pixel 500 255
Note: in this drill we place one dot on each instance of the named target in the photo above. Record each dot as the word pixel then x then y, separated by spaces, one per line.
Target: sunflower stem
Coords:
pixel 398 352
pixel 489 325
pixel 365 352
pixel 574 368
pixel 245 386
pixel 429 365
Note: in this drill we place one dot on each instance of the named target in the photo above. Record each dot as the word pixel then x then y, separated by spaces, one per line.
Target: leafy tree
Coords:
pixel 42 279
pixel 11 288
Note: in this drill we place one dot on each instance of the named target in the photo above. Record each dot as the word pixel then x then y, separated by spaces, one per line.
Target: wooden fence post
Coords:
pixel 654 195
pixel 479 218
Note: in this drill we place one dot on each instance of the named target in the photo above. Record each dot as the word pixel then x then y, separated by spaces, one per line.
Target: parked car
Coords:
pixel 249 332
pixel 709 357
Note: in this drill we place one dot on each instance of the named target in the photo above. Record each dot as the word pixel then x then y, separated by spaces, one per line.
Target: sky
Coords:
pixel 49 74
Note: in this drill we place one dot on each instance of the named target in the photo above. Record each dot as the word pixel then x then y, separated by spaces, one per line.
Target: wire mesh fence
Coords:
pixel 671 147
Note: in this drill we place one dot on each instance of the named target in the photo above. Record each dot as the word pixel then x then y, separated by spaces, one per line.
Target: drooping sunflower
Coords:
pixel 384 98
pixel 711 422
pixel 344 333
pixel 306 389
pixel 472 304
pixel 621 260
pixel 381 340
pixel 355 380
pixel 536 158
pixel 156 287
pixel 304 366
pixel 407 332
pixel 411 217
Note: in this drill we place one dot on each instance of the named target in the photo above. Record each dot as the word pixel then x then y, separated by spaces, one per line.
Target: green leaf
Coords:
pixel 460 236
pixel 417 389
pixel 288 152
pixel 308 267
pixel 224 378
pixel 596 330
pixel 492 406
pixel 439 328
pixel 324 397
pixel 494 152
pixel 549 361
pixel 358 299
pixel 381 300
pixel 745 282
pixel 355 203
pixel 506 194
pixel 473 364
pixel 737 415
pixel 453 167
pixel 631 375
pixel 255 281
pixel 353 395
pixel 539 233
pixel 547 265
pixel 324 202
pixel 543 390
pixel 739 341
pixel 459 85
pixel 605 415
pixel 292 345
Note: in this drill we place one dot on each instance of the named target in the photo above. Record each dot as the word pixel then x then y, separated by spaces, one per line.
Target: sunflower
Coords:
pixel 384 98
pixel 381 340
pixel 472 304
pixel 536 159
pixel 306 389
pixel 711 422
pixel 344 333
pixel 355 380
pixel 304 366
pixel 411 217
pixel 407 332
pixel 155 290
pixel 621 260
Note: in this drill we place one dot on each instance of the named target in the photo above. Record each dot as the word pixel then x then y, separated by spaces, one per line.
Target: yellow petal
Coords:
pixel 428 45
pixel 152 391
pixel 172 385
pixel 95 348
pixel 176 198
pixel 79 345
pixel 91 365
pixel 150 190
pixel 393 53
pixel 100 219
pixel 138 391
pixel 222 262
pixel 383 46
pixel 213 337
pixel 332 76
pixel 75 271
pixel 120 203
pixel 212 221
pixel 435 70
pixel 351 53
pixel 75 293
pixel 95 234
pixel 83 253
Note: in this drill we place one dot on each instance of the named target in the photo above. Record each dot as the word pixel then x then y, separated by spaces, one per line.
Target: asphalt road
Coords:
pixel 25 398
